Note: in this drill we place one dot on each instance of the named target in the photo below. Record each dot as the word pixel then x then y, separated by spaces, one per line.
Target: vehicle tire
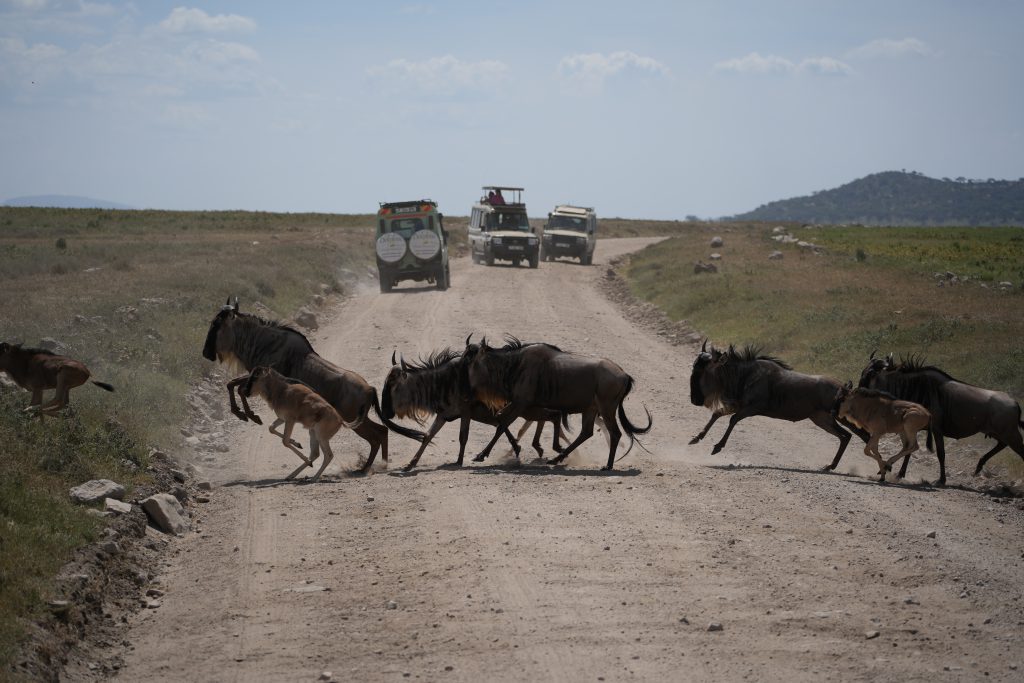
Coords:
pixel 544 256
pixel 534 260
pixel 475 256
pixel 587 259
pixel 489 258
pixel 385 286
pixel 444 280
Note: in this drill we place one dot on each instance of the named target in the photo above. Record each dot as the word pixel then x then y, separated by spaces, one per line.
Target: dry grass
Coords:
pixel 825 313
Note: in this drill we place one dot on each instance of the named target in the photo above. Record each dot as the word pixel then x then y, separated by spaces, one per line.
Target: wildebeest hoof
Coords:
pixel 607 468
pixel 717 449
pixel 694 440
pixel 254 418
pixel 479 458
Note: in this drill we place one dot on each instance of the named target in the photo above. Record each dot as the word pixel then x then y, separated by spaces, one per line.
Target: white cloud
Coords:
pixel 591 70
pixel 446 75
pixel 216 52
pixel 186 20
pixel 417 9
pixel 755 63
pixel 825 66
pixel 889 48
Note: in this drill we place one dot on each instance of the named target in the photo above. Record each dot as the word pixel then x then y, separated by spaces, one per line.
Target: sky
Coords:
pixel 642 109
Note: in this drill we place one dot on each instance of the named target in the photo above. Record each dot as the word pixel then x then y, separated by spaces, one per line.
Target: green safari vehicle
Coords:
pixel 412 244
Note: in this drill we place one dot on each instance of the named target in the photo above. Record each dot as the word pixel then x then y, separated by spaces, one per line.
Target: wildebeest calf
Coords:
pixel 880 413
pixel 38 370
pixel 292 401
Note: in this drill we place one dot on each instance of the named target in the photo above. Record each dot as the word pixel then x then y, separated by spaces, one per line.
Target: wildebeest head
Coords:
pixel 705 359
pixel 841 395
pixel 420 389
pixel 875 366
pixel 219 335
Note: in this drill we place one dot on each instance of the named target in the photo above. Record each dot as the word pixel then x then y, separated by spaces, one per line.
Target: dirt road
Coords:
pixel 495 573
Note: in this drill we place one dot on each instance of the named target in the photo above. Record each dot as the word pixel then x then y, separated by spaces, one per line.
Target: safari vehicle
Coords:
pixel 570 231
pixel 500 230
pixel 412 244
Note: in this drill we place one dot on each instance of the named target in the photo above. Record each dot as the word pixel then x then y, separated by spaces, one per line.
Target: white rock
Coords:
pixel 717 241
pixel 306 318
pixel 96 490
pixel 166 513
pixel 118 506
pixel 775 255
pixel 716 256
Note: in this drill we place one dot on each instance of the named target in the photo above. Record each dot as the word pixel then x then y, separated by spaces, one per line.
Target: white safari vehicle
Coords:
pixel 571 231
pixel 500 230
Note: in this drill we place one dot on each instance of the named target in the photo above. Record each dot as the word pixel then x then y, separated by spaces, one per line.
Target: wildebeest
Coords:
pixel 518 377
pixel 38 370
pixel 744 383
pixel 879 413
pixel 433 387
pixel 292 402
pixel 246 341
pixel 958 409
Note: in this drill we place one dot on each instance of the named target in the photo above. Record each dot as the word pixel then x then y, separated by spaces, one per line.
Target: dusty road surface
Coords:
pixel 500 573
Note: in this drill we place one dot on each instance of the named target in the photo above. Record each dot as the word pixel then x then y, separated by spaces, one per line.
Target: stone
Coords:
pixel 54 345
pixel 318 300
pixel 871 635
pixel 930 534
pixel 716 257
pixel 306 318
pixel 717 241
pixel 204 486
pixel 701 267
pixel 179 475
pixel 93 512
pixel 96 490
pixel 778 229
pixel 326 676
pixel 715 626
pixel 392 604
pixel 111 548
pixel 166 513
pixel 114 505
pixel 775 256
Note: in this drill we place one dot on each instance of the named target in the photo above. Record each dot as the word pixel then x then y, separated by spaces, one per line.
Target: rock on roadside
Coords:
pixel 96 491
pixel 166 513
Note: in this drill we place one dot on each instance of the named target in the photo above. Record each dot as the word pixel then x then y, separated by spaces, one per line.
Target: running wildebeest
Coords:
pixel 38 370
pixel 958 409
pixel 744 383
pixel 433 387
pixel 879 413
pixel 293 401
pixel 517 377
pixel 245 341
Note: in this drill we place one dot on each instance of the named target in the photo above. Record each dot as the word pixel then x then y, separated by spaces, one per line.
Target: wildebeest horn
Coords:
pixel 704 346
pixel 393 352
pixel 468 338
pixel 404 366
pixel 872 356
pixel 234 304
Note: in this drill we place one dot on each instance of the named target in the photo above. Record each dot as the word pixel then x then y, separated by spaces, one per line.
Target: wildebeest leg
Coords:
pixel 704 432
pixel 537 433
pixel 486 452
pixel 829 424
pixel 286 439
pixel 507 417
pixel 314 453
pixel 439 422
pixel 248 411
pixel 277 423
pixel 586 431
pixel 871 450
pixel 736 417
pixel 328 454
pixel 611 428
pixel 910 446
pixel 940 451
pixel 377 436
pixel 463 437
pixel 984 459
pixel 231 386
pixel 60 396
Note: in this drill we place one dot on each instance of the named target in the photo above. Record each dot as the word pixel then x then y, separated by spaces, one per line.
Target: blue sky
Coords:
pixel 641 109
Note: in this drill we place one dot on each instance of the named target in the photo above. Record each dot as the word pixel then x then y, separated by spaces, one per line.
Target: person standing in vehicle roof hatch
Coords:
pixel 497 199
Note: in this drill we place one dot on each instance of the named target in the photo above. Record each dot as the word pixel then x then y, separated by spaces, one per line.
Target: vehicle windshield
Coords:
pixel 500 220
pixel 568 223
pixel 406 226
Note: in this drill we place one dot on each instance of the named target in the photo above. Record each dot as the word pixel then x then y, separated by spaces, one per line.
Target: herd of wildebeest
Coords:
pixel 541 383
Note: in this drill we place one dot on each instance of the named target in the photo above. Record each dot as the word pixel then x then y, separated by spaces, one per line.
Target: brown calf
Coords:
pixel 37 370
pixel 880 413
pixel 292 401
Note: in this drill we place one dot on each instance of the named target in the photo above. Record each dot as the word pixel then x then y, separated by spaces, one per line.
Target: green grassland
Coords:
pixel 131 293
pixel 873 288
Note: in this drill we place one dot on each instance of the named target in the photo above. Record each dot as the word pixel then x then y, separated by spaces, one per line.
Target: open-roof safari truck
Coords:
pixel 412 244
pixel 571 231
pixel 500 230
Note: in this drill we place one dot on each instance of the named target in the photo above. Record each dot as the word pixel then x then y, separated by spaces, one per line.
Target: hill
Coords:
pixel 904 198
pixel 64 201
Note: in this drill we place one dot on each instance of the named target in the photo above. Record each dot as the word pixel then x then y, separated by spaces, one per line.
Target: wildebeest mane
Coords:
pixel 434 360
pixel 751 353
pixel 916 363
pixel 513 343
pixel 34 350
pixel 271 343
pixel 873 393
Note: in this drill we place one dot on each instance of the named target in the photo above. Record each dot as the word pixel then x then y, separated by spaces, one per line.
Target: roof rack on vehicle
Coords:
pixel 516 192
pixel 412 202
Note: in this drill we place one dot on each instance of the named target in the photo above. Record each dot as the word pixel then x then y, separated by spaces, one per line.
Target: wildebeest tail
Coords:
pixel 413 434
pixel 628 427
pixel 103 385
pixel 928 440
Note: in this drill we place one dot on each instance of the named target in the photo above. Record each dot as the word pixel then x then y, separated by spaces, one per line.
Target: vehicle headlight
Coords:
pixel 496 240
pixel 531 240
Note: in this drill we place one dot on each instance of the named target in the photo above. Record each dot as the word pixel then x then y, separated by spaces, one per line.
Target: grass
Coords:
pixel 825 313
pixel 131 294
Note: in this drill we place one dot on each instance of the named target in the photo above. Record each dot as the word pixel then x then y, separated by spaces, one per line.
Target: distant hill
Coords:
pixel 902 198
pixel 64 201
